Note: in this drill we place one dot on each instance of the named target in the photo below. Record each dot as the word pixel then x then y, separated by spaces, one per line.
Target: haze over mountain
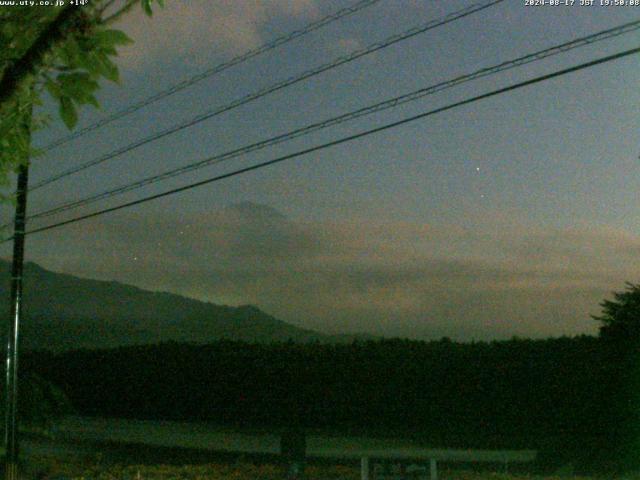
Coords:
pixel 66 312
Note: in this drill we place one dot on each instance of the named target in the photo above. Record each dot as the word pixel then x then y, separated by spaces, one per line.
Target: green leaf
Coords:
pixel 71 53
pixel 53 88
pixel 108 51
pixel 110 38
pixel 92 65
pixel 93 101
pixel 68 112
pixel 146 6
pixel 79 86
pixel 108 69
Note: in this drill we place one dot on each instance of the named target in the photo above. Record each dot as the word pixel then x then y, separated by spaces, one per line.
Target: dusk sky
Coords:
pixel 515 215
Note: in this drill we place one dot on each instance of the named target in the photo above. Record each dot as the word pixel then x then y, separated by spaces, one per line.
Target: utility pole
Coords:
pixel 11 398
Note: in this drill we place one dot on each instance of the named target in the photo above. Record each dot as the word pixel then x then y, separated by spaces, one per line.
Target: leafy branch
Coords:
pixel 64 51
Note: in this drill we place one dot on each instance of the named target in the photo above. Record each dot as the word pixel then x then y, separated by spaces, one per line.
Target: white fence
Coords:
pixel 414 457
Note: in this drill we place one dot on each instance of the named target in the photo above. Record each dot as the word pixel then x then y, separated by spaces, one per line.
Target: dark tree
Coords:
pixel 41 404
pixel 620 337
pixel 620 318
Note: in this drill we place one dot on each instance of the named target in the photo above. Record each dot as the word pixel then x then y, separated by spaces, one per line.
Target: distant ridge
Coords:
pixel 64 312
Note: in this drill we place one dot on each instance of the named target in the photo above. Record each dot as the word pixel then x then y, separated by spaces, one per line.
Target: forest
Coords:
pixel 573 399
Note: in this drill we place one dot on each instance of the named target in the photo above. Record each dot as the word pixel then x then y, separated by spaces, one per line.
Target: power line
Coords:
pixel 342 140
pixel 214 71
pixel 276 87
pixel 387 104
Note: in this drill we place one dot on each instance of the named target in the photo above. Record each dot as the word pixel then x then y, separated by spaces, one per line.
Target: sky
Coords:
pixel 513 216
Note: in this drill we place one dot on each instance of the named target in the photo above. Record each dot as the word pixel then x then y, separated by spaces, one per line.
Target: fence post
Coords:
pixel 293 448
pixel 433 470
pixel 364 468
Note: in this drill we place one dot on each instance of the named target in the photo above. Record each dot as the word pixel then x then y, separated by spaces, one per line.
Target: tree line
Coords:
pixel 554 395
pixel 573 399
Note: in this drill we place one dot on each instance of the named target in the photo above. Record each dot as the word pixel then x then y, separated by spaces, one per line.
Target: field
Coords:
pixel 95 468
pixel 90 449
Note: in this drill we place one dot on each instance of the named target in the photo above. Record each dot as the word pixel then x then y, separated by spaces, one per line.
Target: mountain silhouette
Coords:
pixel 63 312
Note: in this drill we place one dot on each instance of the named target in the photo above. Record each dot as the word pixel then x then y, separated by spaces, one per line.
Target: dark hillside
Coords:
pixel 65 312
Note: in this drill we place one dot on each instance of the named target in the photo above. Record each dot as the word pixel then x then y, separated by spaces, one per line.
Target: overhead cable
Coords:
pixel 378 107
pixel 273 88
pixel 339 141
pixel 212 71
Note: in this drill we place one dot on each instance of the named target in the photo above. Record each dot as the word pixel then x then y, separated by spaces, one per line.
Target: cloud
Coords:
pixel 191 31
pixel 393 278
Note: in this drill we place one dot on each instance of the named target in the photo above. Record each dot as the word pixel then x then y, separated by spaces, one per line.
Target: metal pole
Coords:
pixel 11 411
